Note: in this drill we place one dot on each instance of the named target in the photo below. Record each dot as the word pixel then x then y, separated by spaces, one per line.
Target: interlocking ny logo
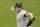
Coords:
pixel 18 3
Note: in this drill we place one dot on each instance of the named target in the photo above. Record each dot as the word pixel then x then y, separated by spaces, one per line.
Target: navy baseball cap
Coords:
pixel 19 4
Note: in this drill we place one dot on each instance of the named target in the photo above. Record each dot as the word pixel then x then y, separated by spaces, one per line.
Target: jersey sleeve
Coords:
pixel 24 13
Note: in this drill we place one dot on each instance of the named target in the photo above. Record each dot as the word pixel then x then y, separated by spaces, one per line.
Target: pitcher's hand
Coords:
pixel 13 9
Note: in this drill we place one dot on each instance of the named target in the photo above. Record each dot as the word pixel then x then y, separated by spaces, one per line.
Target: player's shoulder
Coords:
pixel 23 11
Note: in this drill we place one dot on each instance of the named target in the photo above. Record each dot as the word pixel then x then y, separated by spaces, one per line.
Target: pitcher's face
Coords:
pixel 18 9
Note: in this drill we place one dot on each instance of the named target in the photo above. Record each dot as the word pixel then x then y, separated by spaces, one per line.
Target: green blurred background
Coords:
pixel 8 17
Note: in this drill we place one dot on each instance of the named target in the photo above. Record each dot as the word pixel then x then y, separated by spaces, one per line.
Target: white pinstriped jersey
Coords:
pixel 21 19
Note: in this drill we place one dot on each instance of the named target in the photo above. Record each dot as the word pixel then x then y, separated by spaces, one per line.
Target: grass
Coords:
pixel 8 17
